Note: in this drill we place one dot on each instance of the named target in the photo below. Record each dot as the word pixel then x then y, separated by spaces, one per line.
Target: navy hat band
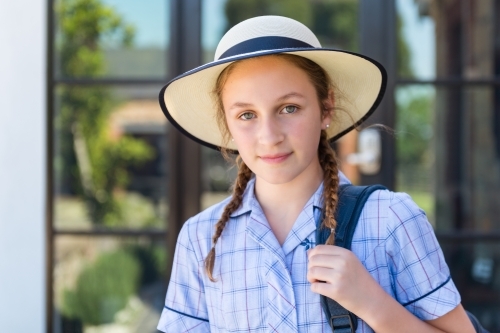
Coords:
pixel 263 44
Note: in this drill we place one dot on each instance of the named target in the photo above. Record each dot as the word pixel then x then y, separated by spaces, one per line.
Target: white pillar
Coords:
pixel 23 25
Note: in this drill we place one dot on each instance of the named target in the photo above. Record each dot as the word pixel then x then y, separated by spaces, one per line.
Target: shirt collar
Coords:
pixel 249 196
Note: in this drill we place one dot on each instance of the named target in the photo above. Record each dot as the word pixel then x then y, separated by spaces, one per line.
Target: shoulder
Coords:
pixel 407 223
pixel 392 218
pixel 402 222
pixel 209 215
pixel 394 207
pixel 198 230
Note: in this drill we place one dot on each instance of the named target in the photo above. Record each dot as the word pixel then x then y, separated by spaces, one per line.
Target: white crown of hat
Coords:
pixel 266 26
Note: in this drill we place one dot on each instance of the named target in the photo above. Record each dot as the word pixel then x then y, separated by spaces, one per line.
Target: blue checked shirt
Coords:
pixel 262 286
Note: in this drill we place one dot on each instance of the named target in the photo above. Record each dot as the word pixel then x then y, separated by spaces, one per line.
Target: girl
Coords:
pixel 244 265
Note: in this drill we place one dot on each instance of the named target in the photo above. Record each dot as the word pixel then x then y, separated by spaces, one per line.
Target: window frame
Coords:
pixel 184 162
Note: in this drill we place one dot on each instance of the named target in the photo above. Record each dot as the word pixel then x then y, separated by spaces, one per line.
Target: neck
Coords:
pixel 282 203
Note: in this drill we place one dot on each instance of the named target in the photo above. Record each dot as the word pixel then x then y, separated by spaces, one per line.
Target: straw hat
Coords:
pixel 189 104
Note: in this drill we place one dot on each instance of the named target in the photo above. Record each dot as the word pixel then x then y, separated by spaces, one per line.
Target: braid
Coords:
pixel 329 164
pixel 244 175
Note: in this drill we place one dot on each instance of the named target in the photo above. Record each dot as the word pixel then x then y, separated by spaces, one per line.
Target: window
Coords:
pixel 447 130
pixel 108 153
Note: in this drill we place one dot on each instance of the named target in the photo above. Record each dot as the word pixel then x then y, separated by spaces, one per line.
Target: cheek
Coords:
pixel 240 131
pixel 243 138
pixel 305 133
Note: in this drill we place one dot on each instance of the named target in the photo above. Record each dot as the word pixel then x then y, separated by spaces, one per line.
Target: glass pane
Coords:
pixel 414 134
pixel 111 38
pixel 335 23
pixel 475 270
pixel 448 39
pixel 416 45
pixel 468 157
pixel 448 154
pixel 109 158
pixel 217 175
pixel 108 284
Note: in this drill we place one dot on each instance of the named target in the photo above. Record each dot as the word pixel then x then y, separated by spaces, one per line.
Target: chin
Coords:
pixel 277 178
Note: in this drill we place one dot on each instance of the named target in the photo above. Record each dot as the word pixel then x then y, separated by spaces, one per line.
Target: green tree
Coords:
pixel 88 158
pixel 414 130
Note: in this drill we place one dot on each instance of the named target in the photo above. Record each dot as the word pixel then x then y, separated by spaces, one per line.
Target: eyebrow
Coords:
pixel 280 99
pixel 289 95
pixel 240 105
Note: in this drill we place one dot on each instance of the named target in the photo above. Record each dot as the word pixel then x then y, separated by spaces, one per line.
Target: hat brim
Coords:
pixel 187 100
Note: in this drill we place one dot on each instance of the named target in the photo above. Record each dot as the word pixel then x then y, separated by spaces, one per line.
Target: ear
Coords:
pixel 328 105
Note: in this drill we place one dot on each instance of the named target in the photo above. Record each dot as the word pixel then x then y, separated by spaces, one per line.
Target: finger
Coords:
pixel 327 260
pixel 321 288
pixel 327 275
pixel 326 249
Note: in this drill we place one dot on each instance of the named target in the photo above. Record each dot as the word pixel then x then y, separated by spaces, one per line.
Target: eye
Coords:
pixel 289 109
pixel 247 116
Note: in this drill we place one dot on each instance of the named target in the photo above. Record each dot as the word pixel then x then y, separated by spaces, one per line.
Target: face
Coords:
pixel 274 116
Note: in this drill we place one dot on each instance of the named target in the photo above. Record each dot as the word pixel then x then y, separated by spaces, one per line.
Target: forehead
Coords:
pixel 275 62
pixel 268 74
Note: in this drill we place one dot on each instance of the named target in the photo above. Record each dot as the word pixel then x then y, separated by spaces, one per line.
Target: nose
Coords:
pixel 270 131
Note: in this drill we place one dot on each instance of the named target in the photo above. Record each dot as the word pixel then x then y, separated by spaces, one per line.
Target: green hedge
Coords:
pixel 103 288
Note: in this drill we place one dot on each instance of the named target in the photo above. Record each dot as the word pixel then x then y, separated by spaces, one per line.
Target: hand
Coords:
pixel 338 274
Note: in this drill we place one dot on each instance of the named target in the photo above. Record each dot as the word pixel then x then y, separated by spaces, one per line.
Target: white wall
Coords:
pixel 22 165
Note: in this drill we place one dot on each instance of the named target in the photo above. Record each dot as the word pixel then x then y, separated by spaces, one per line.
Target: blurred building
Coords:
pixel 108 182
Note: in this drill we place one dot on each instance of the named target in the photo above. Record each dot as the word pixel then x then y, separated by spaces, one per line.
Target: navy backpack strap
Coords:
pixel 352 199
pixel 351 202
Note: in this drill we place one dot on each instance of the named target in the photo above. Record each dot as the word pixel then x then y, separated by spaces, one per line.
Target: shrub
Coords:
pixel 103 288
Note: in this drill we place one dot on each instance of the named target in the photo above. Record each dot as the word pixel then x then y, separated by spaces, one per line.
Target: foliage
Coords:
pixel 84 25
pixel 151 259
pixel 103 288
pixel 336 23
pixel 404 55
pixel 134 211
pixel 414 131
pixel 88 158
pixel 239 10
pixel 414 118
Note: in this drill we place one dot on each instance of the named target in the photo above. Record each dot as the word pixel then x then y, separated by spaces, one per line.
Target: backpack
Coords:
pixel 351 202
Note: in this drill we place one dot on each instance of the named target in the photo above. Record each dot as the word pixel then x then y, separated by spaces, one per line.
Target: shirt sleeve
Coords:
pixel 420 277
pixel 185 308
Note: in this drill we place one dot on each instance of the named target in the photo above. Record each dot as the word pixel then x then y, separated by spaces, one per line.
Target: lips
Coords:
pixel 275 158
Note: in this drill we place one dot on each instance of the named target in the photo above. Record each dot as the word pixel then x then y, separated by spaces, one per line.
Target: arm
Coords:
pixel 343 274
pixel 454 321
pixel 422 295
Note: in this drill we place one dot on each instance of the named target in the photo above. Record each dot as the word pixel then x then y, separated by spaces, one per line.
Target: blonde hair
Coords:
pixel 323 86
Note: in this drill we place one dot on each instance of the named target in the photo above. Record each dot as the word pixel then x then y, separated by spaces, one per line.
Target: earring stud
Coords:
pixel 327 125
